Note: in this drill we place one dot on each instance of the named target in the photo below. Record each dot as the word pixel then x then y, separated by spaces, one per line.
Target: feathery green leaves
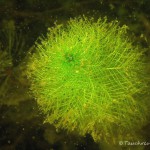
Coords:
pixel 85 75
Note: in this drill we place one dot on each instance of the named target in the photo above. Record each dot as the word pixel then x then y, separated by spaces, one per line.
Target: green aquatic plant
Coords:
pixel 5 64
pixel 86 76
pixel 12 46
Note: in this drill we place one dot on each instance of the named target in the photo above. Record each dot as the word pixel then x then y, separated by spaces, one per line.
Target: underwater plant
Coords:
pixel 12 58
pixel 5 62
pixel 86 77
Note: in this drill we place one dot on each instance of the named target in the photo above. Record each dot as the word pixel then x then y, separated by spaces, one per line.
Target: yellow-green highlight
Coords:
pixel 86 78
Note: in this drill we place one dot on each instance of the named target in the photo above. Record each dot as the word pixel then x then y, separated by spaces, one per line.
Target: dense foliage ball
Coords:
pixel 85 76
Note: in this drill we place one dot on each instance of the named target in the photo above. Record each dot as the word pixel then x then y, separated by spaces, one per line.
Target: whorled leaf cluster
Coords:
pixel 86 77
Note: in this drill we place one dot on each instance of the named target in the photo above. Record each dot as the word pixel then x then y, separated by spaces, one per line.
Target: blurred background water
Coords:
pixel 21 23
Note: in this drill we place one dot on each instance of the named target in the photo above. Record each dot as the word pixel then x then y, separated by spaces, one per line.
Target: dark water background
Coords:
pixel 21 23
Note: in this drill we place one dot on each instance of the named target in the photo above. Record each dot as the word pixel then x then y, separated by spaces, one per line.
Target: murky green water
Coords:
pixel 21 23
